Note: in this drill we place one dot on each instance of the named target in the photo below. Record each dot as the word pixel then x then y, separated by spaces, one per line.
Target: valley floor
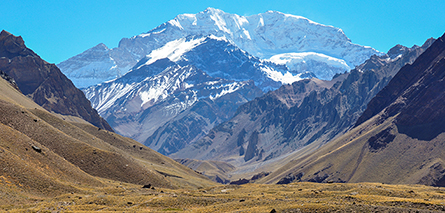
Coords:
pixel 297 197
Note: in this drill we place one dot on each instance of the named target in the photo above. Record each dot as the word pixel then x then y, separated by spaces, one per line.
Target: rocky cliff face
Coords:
pixel 300 114
pixel 44 82
pixel 195 122
pixel 416 95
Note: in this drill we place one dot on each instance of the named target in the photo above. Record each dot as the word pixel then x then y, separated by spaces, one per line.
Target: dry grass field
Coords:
pixel 297 197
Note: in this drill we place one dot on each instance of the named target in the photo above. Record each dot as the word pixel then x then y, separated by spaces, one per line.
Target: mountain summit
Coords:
pixel 267 34
pixel 294 41
pixel 174 83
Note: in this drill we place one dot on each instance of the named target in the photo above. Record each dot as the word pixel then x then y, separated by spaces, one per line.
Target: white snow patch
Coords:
pixel 173 50
pixel 220 23
pixel 396 58
pixel 211 82
pixel 286 78
pixel 241 20
pixel 247 34
pixel 106 97
pixel 290 59
pixel 230 88
pixel 261 22
pixel 219 38
pixel 187 85
pixel 152 94
pixel 158 32
pixel 151 33
pixel 176 23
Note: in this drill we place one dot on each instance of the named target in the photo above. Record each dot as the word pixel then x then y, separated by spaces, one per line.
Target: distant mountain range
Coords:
pixel 157 101
pixel 272 93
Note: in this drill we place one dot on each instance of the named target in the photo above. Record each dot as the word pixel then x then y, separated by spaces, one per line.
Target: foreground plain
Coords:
pixel 296 197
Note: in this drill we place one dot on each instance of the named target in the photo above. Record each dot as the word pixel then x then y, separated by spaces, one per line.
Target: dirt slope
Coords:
pixel 44 155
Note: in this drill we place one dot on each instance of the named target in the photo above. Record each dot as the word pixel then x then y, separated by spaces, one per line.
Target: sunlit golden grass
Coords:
pixel 298 197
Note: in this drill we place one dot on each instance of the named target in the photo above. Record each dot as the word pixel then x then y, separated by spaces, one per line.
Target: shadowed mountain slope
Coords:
pixel 44 82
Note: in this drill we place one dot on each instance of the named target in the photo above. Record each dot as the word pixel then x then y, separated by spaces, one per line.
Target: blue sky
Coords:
pixel 57 30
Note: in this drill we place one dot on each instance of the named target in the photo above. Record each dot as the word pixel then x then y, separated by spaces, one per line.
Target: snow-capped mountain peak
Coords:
pixel 268 34
pixel 264 30
pixel 264 35
pixel 175 82
pixel 219 57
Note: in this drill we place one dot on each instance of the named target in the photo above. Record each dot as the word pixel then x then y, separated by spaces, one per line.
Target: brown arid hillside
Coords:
pixel 400 138
pixel 27 172
pixel 44 82
pixel 46 155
